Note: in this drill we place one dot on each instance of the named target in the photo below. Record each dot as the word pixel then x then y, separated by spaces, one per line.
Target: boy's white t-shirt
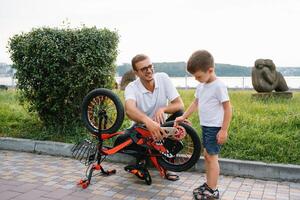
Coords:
pixel 147 101
pixel 210 98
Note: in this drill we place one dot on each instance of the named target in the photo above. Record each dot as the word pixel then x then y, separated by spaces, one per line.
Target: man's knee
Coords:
pixel 174 115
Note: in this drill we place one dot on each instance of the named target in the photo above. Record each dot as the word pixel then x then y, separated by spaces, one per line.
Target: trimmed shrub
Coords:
pixel 128 77
pixel 56 68
pixel 3 87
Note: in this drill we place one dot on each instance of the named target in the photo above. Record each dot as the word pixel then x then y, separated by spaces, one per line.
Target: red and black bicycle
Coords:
pixel 103 115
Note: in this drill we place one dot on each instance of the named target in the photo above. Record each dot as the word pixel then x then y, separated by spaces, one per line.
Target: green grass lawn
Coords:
pixel 15 121
pixel 266 131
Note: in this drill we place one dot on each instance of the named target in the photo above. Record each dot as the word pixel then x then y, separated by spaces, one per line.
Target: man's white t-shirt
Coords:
pixel 147 101
pixel 210 98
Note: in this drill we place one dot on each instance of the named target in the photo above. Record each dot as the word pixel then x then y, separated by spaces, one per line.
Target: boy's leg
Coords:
pixel 212 169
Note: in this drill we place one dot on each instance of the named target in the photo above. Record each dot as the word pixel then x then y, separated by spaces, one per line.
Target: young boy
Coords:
pixel 212 102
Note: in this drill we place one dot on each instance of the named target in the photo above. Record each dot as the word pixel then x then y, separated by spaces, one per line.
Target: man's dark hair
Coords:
pixel 137 59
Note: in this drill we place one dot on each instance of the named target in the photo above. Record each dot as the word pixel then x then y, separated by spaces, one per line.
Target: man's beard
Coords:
pixel 147 77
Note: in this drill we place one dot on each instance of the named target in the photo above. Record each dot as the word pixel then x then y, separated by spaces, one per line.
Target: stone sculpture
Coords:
pixel 265 78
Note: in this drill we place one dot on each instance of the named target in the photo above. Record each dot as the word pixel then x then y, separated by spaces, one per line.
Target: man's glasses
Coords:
pixel 145 69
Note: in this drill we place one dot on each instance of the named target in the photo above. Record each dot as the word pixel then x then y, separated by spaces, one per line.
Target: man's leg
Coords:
pixel 140 150
pixel 169 175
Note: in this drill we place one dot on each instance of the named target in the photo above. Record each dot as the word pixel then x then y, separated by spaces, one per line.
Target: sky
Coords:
pixel 235 31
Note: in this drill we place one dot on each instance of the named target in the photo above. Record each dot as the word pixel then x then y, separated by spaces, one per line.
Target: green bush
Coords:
pixel 57 67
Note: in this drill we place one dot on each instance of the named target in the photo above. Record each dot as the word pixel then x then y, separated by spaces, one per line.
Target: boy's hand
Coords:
pixel 178 120
pixel 222 136
pixel 181 119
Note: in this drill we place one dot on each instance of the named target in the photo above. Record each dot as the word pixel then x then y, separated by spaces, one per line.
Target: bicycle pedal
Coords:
pixel 129 168
pixel 112 171
pixel 133 170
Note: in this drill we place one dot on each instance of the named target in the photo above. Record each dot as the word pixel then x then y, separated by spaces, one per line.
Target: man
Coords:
pixel 150 97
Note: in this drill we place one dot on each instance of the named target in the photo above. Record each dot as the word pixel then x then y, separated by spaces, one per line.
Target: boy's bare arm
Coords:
pixel 222 134
pixel 192 108
pixel 227 115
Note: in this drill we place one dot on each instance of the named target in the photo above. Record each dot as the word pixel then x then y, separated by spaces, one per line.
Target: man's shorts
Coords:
pixel 209 138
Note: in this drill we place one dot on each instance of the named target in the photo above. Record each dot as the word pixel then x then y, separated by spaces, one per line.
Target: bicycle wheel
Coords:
pixel 188 155
pixel 102 111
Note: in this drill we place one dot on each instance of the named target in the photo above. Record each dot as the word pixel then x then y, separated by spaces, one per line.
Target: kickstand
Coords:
pixel 84 183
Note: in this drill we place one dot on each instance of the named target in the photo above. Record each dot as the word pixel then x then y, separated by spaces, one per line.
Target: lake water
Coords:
pixel 293 82
pixel 9 81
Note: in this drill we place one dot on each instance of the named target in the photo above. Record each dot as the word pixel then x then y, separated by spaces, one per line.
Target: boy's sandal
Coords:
pixel 171 177
pixel 200 189
pixel 199 197
pixel 207 194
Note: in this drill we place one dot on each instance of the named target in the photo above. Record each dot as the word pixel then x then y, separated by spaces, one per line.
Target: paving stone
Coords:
pixel 32 194
pixel 9 194
pixel 58 194
pixel 98 197
pixel 48 178
pixel 25 187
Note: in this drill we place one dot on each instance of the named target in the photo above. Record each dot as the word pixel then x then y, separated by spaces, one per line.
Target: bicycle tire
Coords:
pixel 195 155
pixel 105 101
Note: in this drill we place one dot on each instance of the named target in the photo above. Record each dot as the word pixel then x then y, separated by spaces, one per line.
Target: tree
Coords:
pixel 128 77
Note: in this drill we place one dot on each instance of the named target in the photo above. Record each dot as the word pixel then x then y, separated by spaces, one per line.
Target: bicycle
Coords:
pixel 103 115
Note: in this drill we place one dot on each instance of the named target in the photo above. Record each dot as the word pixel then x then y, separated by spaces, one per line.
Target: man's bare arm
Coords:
pixel 175 105
pixel 136 115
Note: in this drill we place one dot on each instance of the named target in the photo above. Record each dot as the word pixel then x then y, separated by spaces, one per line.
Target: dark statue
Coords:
pixel 265 78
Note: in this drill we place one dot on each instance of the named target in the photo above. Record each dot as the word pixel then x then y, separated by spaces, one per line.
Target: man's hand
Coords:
pixel 155 129
pixel 159 116
pixel 222 136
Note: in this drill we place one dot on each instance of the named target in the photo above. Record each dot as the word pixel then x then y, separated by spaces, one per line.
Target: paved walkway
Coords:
pixel 32 176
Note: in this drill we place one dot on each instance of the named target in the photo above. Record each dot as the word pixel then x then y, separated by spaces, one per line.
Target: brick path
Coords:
pixel 32 176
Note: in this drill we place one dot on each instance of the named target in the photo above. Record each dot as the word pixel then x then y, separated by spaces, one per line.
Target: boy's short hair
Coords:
pixel 200 60
pixel 137 59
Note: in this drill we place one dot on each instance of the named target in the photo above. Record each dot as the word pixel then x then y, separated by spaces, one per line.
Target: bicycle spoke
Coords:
pixel 101 103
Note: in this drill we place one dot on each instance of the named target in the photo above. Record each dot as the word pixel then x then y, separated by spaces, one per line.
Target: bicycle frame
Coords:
pixel 145 139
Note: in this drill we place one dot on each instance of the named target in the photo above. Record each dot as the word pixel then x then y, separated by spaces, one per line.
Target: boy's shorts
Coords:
pixel 209 138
